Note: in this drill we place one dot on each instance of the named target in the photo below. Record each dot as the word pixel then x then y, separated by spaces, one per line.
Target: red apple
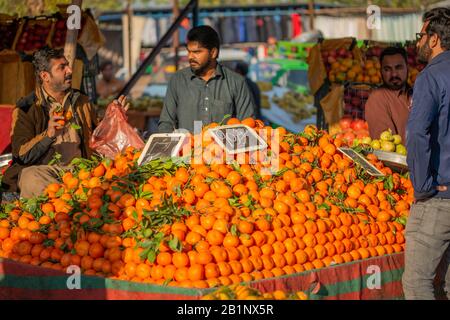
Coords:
pixel 347 97
pixel 331 59
pixel 358 124
pixel 349 136
pixel 342 52
pixel 356 102
pixel 345 123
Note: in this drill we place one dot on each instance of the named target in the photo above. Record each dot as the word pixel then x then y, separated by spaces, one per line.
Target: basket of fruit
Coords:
pixel 58 36
pixel 8 27
pixel 34 34
pixel 355 98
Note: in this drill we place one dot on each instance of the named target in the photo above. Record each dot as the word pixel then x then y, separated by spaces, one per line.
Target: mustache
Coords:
pixel 391 79
pixel 193 61
pixel 68 77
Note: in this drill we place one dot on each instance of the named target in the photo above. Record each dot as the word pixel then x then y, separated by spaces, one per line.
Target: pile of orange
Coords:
pixel 236 224
pixel 352 70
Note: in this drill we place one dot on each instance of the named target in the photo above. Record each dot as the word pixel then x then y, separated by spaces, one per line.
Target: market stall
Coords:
pixel 315 213
pixel 168 229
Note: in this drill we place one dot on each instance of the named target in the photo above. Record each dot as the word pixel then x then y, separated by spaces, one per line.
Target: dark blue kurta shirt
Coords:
pixel 428 130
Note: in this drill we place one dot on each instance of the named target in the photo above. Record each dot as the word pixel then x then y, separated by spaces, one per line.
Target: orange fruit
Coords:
pixel 211 271
pixel 179 259
pixel 214 237
pixel 196 272
pixel 203 258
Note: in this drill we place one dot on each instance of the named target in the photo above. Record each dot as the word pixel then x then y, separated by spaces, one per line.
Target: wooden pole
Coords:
pixel 35 7
pixel 176 36
pixel 311 14
pixel 130 21
pixel 70 48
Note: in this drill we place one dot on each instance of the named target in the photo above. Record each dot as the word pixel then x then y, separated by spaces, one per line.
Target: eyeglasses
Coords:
pixel 420 35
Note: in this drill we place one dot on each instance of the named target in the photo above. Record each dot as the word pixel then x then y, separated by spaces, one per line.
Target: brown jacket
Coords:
pixel 30 143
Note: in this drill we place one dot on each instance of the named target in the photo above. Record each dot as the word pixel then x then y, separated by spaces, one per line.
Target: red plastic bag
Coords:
pixel 113 134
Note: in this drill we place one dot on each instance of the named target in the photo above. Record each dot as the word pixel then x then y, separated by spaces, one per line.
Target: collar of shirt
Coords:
pixel 407 90
pixel 218 73
pixel 441 57
pixel 48 98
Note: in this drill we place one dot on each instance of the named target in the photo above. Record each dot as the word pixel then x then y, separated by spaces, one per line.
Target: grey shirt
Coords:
pixel 189 98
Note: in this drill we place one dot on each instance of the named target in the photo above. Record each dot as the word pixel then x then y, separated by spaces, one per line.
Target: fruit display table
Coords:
pixel 278 116
pixel 351 281
pixel 393 160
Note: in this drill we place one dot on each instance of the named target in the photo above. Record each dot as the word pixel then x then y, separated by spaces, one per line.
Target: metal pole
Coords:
pixel 130 17
pixel 195 14
pixel 176 35
pixel 162 42
pixel 70 47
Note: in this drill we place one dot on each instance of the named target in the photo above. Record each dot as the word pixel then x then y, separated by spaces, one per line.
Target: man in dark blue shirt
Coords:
pixel 428 143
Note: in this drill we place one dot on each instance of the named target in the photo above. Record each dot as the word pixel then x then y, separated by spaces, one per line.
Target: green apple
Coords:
pixel 397 139
pixel 356 142
pixel 387 146
pixel 386 135
pixel 366 140
pixel 400 149
pixel 376 144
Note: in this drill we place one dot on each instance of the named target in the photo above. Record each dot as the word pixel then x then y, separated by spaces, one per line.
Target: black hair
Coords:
pixel 41 60
pixel 206 36
pixel 439 23
pixel 242 68
pixel 390 51
pixel 104 64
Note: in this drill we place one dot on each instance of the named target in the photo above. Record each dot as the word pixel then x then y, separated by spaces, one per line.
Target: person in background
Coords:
pixel 242 69
pixel 388 106
pixel 427 233
pixel 206 91
pixel 108 86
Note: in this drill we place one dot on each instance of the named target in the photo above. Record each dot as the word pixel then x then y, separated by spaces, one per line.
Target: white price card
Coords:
pixel 162 145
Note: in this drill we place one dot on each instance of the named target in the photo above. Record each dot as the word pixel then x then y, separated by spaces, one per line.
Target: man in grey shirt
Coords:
pixel 207 91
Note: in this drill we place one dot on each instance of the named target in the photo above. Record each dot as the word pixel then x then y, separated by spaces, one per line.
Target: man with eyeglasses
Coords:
pixel 388 106
pixel 428 142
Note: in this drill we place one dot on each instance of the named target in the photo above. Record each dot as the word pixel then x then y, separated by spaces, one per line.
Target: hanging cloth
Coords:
pixel 296 25
pixel 242 30
pixel 251 26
